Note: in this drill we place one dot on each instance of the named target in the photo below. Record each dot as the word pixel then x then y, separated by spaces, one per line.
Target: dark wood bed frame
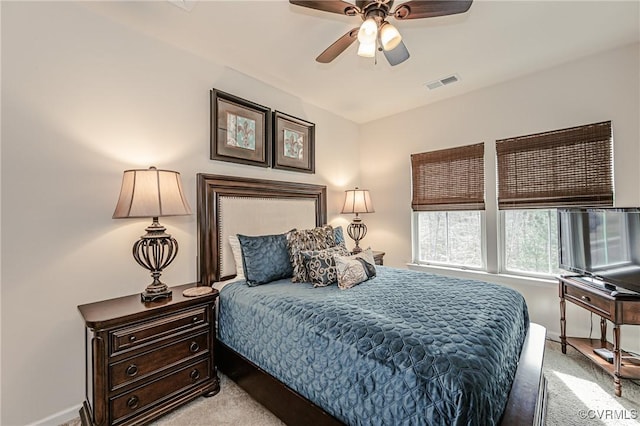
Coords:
pixel 527 397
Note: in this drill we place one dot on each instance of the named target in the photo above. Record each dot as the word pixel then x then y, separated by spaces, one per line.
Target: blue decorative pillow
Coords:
pixel 338 235
pixel 320 265
pixel 265 258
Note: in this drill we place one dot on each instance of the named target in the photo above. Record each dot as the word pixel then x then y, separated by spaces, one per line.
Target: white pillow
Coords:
pixel 234 242
pixel 355 269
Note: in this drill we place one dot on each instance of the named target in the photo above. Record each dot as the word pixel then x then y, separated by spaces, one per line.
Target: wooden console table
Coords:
pixel 619 308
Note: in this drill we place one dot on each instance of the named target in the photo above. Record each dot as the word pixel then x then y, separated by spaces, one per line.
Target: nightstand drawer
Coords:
pixel 168 326
pixel 135 401
pixel 591 300
pixel 139 367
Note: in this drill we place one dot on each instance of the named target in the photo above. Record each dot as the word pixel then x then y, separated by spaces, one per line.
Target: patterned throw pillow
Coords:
pixel 321 267
pixel 352 270
pixel 319 238
pixel 338 235
pixel 265 258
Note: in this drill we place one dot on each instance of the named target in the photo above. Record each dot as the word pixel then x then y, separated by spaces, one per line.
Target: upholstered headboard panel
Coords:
pixel 231 205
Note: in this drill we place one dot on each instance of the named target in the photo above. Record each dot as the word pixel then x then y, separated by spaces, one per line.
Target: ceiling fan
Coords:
pixel 375 32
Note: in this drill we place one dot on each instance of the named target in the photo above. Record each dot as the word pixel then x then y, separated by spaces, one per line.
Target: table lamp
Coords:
pixel 357 201
pixel 152 193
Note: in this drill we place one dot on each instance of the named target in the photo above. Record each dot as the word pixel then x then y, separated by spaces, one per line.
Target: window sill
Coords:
pixel 507 279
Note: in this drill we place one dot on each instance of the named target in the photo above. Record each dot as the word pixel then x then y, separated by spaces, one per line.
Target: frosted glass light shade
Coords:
pixel 390 38
pixel 367 50
pixel 368 31
pixel 357 201
pixel 151 193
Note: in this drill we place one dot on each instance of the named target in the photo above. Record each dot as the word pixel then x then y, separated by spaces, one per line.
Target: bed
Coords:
pixel 373 354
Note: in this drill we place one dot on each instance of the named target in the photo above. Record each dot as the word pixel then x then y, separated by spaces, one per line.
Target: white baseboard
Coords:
pixel 553 336
pixel 59 418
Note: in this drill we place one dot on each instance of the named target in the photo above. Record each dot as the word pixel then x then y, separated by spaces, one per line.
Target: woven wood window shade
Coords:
pixel 569 167
pixel 448 179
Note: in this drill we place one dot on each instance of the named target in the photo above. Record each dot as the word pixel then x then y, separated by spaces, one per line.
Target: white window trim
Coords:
pixel 415 241
pixel 502 269
pixel 500 278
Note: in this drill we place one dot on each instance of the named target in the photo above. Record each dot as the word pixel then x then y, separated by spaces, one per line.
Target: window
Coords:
pixel 536 174
pixel 530 241
pixel 448 200
pixel 450 238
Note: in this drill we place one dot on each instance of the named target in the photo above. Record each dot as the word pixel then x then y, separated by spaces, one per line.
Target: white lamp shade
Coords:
pixel 367 50
pixel 151 193
pixel 368 31
pixel 357 201
pixel 390 38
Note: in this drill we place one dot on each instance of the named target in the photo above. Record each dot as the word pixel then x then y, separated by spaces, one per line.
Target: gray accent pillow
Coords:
pixel 321 267
pixel 353 270
pixel 319 238
pixel 265 258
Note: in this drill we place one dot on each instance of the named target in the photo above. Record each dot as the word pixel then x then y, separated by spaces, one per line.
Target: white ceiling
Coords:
pixel 276 42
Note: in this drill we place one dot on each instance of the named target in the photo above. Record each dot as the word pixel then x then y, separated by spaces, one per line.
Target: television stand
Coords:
pixel 619 308
pixel 595 282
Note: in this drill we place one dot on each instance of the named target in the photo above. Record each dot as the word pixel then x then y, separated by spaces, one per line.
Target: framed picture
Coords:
pixel 293 143
pixel 240 130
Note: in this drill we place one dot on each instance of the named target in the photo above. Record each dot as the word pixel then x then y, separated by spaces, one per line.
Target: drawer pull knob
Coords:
pixel 132 339
pixel 586 298
pixel 194 347
pixel 133 402
pixel 195 319
pixel 132 370
pixel 195 374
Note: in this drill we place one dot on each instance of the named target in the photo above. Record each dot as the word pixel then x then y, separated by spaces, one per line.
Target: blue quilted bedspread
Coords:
pixel 404 348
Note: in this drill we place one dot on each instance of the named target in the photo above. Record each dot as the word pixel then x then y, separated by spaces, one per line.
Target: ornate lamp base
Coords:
pixel 155 251
pixel 357 230
pixel 149 296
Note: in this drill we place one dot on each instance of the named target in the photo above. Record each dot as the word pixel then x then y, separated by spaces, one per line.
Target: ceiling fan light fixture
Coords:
pixel 368 31
pixel 367 50
pixel 390 37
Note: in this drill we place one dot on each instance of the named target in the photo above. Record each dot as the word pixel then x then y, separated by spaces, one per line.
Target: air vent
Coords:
pixel 454 78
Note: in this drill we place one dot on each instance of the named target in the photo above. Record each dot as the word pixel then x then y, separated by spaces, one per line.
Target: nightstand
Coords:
pixel 146 359
pixel 378 256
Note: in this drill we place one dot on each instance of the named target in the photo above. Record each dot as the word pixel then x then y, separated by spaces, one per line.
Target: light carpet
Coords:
pixel 579 393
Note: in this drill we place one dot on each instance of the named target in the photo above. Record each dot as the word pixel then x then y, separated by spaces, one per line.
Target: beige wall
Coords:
pixel 597 88
pixel 84 99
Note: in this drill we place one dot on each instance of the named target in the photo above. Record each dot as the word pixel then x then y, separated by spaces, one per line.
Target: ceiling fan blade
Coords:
pixel 333 6
pixel 415 9
pixel 397 55
pixel 338 46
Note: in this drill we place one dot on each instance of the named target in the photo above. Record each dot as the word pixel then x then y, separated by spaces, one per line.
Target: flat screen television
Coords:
pixel 602 244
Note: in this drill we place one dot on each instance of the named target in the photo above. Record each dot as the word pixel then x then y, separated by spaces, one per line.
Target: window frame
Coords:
pixel 502 261
pixel 415 246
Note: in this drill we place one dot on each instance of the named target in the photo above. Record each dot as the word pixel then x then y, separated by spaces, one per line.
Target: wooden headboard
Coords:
pixel 228 205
